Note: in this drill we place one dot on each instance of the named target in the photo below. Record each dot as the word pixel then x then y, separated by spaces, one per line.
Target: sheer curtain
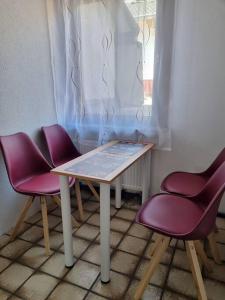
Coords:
pixel 103 54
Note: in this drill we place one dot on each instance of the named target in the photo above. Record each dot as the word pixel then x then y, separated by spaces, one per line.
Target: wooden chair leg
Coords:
pixel 155 244
pixel 79 200
pixel 57 200
pixel 195 269
pixel 90 185
pixel 201 253
pixel 162 246
pixel 22 216
pixel 214 248
pixel 45 224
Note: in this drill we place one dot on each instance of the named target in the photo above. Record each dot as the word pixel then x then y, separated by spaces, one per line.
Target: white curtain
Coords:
pixel 97 66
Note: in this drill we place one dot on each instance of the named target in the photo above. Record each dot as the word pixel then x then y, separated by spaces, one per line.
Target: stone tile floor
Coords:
pixel 26 273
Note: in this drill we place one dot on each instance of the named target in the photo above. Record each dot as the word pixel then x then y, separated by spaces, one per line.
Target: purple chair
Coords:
pixel 189 184
pixel 29 174
pixel 189 219
pixel 61 150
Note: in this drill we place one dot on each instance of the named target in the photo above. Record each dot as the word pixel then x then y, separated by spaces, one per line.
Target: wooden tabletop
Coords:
pixel 105 163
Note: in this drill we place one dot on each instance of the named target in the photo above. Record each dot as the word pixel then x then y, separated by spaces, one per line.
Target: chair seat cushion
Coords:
pixel 183 183
pixel 41 184
pixel 171 215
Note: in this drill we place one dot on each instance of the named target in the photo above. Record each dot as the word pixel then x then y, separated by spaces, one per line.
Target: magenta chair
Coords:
pixel 189 184
pixel 188 219
pixel 61 150
pixel 29 174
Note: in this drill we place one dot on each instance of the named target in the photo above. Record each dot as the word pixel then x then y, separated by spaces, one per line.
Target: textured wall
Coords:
pixel 198 98
pixel 26 89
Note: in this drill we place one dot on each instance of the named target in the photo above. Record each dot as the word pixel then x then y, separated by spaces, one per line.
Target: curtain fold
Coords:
pixel 97 66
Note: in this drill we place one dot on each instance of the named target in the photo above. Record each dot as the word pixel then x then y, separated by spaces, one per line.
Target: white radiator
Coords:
pixel 132 177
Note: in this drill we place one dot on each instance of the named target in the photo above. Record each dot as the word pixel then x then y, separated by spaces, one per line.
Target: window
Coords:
pixel 144 13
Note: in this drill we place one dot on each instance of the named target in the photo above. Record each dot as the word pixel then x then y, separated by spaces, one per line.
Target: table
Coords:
pixel 103 165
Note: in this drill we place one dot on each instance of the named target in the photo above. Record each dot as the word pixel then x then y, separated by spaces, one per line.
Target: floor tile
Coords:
pixel 220 236
pixel 159 275
pixel 14 276
pixel 218 272
pixel 4 262
pixel 115 238
pixel 37 287
pixel 15 298
pixel 34 257
pixel 180 244
pixel 91 206
pixel 52 221
pixel 133 245
pixel 85 193
pixel 124 262
pixel 221 249
pixel 79 246
pixel 92 197
pixel 113 210
pixel 180 260
pixel 214 290
pixel 57 212
pixel 83 274
pixel 132 203
pixel 33 234
pixel 86 215
pixel 114 289
pixel 21 229
pixel 86 271
pixel 94 219
pixel 167 256
pixel 88 232
pixel 4 295
pixel 151 292
pixel 51 205
pixel 34 218
pixel 113 202
pixel 55 238
pixel 15 249
pixel 220 222
pixel 92 296
pixel 119 224
pixel 93 254
pixel 181 282
pixel 126 214
pixel 140 231
pixel 55 265
pixel 67 291
pixel 167 295
pixel 4 239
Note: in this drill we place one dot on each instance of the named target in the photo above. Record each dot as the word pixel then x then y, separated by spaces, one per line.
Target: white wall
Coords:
pixel 26 89
pixel 198 99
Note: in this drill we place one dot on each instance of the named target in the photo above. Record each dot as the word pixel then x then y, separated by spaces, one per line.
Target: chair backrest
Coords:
pixel 60 146
pixel 209 198
pixel 215 164
pixel 22 158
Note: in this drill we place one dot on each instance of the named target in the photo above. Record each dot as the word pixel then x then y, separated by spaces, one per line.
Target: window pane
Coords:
pixel 144 13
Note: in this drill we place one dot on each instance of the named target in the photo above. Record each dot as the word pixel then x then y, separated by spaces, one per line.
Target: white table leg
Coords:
pixel 146 176
pixel 118 184
pixel 105 231
pixel 66 220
